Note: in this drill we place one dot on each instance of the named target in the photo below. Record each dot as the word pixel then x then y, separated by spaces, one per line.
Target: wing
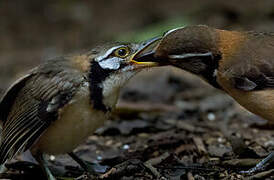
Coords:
pixel 33 103
pixel 8 98
pixel 256 78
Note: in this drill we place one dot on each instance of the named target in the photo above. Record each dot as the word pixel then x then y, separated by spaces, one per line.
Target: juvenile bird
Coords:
pixel 239 63
pixel 60 103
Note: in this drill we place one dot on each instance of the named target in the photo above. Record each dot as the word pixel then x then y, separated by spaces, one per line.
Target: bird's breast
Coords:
pixel 259 102
pixel 76 122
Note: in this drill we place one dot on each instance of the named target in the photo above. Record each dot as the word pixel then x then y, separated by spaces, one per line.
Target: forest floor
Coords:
pixel 168 123
pixel 187 131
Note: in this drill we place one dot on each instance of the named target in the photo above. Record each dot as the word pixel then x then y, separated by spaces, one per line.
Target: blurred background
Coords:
pixel 32 31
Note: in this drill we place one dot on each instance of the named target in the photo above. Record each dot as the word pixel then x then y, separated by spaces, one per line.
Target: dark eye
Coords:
pixel 122 52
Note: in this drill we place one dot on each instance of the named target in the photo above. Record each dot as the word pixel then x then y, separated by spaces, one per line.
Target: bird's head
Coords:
pixel 192 48
pixel 120 57
pixel 111 66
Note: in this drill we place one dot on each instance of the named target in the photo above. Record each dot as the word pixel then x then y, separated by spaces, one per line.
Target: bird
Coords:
pixel 239 63
pixel 58 104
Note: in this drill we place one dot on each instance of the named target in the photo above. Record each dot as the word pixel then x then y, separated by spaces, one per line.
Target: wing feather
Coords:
pixel 258 77
pixel 37 99
pixel 13 141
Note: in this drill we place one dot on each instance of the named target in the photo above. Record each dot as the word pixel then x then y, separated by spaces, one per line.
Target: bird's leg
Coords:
pixel 40 159
pixel 3 168
pixel 261 165
pixel 81 162
pixel 92 168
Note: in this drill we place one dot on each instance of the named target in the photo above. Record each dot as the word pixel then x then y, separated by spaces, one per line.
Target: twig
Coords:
pixel 152 162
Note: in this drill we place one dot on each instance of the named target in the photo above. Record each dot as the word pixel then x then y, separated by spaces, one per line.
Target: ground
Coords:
pixel 168 123
pixel 187 131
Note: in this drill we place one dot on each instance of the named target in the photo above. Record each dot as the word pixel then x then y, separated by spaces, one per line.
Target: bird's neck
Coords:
pixel 105 86
pixel 111 87
pixel 211 69
pixel 225 46
pixel 229 43
pixel 97 76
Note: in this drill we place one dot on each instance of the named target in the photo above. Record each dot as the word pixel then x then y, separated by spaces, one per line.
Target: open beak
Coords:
pixel 145 53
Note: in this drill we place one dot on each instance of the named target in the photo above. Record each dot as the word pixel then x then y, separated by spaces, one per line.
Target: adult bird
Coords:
pixel 239 63
pixel 56 106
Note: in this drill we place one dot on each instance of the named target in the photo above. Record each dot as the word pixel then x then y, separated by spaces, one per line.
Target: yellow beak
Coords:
pixel 150 64
pixel 145 47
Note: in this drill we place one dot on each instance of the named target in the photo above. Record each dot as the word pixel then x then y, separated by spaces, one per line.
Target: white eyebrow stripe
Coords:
pixel 182 56
pixel 172 30
pixel 100 58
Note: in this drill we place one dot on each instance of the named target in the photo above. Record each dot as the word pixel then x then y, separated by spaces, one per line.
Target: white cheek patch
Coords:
pixel 111 63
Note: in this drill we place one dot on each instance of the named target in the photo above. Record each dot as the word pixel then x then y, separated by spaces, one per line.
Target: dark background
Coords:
pixel 32 31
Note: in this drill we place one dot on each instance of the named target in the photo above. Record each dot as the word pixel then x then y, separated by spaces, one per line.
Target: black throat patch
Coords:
pixel 209 72
pixel 96 76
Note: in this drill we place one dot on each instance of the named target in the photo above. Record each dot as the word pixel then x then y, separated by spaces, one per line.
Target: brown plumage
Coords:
pixel 240 63
pixel 59 103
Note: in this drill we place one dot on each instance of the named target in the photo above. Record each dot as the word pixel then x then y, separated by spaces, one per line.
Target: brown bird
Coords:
pixel 60 103
pixel 239 63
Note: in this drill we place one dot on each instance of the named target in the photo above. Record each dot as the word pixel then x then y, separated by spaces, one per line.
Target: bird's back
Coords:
pixel 247 74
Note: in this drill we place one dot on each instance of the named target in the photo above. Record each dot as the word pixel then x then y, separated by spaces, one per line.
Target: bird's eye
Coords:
pixel 122 52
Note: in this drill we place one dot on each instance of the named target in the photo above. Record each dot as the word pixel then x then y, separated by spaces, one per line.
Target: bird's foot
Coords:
pixel 39 157
pixel 261 165
pixel 93 168
pixel 3 168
